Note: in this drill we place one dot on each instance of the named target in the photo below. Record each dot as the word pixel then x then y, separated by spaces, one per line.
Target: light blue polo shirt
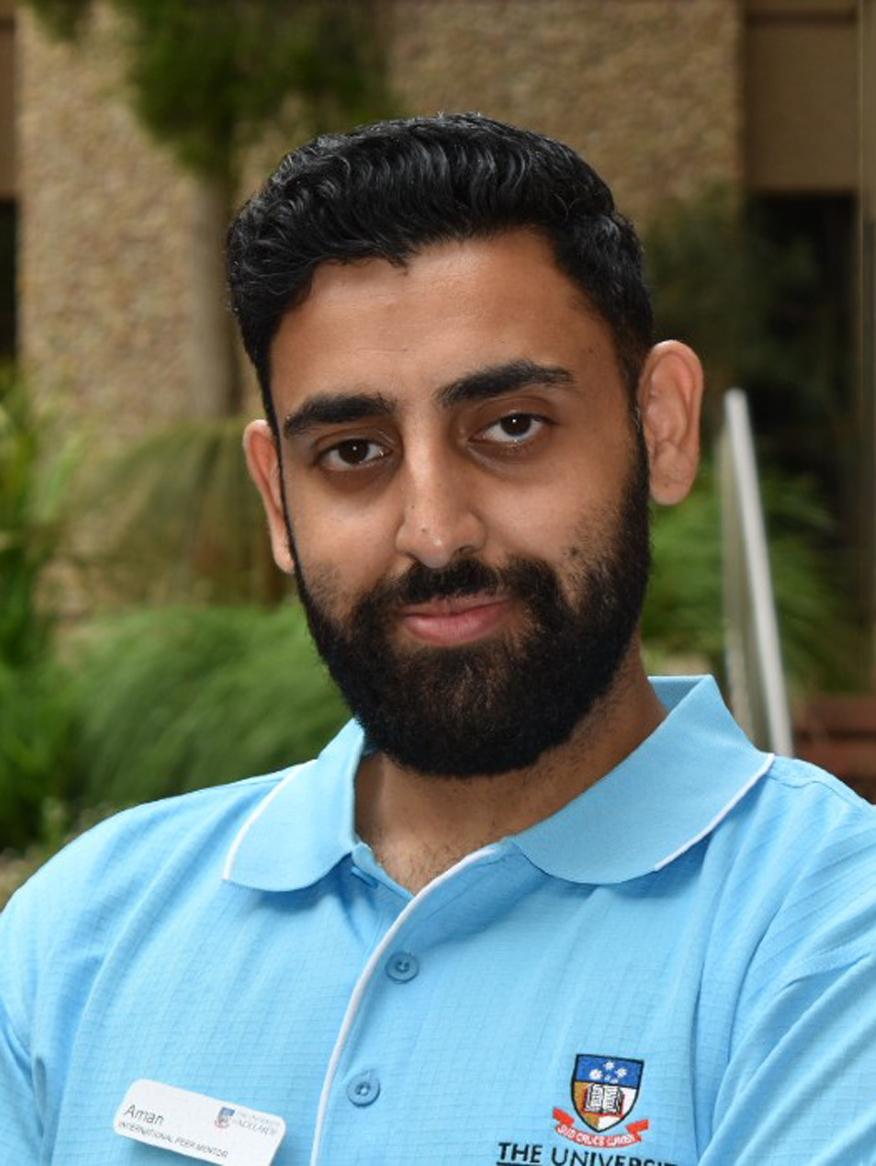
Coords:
pixel 676 968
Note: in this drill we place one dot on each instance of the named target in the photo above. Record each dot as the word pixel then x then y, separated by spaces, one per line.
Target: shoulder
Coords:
pixel 804 848
pixel 801 802
pixel 99 875
pixel 799 820
pixel 794 774
pixel 796 805
pixel 149 832
pixel 798 851
pixel 142 865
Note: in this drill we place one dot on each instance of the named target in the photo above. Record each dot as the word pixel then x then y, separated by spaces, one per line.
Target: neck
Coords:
pixel 420 825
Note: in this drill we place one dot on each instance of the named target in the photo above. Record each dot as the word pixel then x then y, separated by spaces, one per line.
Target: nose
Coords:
pixel 439 521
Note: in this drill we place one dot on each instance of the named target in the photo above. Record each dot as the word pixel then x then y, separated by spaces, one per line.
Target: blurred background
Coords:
pixel 147 644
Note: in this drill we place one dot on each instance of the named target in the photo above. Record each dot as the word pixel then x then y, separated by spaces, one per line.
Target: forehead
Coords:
pixel 453 306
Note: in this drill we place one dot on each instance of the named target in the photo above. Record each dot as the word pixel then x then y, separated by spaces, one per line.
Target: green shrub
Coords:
pixel 38 759
pixel 186 524
pixel 37 702
pixel 173 699
pixel 684 614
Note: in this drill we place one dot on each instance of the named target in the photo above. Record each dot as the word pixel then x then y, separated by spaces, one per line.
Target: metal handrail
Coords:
pixel 758 695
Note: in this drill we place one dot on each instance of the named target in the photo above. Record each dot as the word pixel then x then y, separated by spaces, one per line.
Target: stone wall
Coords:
pixel 105 240
pixel 648 90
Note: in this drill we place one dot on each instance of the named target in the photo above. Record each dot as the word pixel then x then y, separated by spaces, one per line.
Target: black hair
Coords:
pixel 389 189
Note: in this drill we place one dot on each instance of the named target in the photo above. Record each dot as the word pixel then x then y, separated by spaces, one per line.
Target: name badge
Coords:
pixel 201 1127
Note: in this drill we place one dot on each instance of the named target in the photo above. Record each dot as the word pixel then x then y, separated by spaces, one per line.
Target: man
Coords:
pixel 528 907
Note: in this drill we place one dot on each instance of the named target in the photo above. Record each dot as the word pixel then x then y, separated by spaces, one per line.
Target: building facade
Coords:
pixel 665 97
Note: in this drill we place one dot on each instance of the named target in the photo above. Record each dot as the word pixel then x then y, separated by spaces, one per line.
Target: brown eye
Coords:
pixel 353 454
pixel 517 424
pixel 514 429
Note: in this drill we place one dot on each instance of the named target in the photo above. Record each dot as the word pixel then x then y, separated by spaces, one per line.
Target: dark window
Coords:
pixel 8 225
pixel 810 422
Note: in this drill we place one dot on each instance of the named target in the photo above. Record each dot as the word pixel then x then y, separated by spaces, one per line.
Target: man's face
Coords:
pixel 466 496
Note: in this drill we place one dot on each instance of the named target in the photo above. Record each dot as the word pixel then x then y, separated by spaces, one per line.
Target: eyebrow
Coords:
pixel 336 409
pixel 497 379
pixel 480 385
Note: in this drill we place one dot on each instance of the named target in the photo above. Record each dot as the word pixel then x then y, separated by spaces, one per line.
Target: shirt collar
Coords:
pixel 661 800
pixel 304 826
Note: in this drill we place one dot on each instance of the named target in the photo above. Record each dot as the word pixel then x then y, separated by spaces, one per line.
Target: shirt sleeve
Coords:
pixel 20 1124
pixel 801 1079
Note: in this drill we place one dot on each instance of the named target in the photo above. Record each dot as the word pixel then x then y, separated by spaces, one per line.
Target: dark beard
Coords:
pixel 497 705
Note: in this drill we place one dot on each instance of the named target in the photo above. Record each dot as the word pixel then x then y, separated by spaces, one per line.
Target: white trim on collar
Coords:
pixel 264 804
pixel 769 758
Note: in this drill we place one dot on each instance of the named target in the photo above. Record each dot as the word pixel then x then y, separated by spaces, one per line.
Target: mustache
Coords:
pixel 520 578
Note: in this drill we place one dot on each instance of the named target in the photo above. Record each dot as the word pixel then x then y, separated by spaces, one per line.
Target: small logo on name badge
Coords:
pixel 604 1089
pixel 223 1117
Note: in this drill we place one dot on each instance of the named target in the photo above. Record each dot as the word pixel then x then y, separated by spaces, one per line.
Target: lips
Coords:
pixel 460 619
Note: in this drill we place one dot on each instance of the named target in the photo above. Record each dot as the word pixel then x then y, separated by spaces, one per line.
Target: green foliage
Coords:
pixel 62 18
pixel 36 708
pixel 205 76
pixel 37 747
pixel 182 522
pixel 683 614
pixel 26 534
pixel 178 698
pixel 150 702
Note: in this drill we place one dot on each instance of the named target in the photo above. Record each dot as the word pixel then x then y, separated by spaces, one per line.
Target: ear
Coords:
pixel 263 460
pixel 670 397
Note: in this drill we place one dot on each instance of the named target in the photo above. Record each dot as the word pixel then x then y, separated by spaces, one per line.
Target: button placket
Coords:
pixel 356 1041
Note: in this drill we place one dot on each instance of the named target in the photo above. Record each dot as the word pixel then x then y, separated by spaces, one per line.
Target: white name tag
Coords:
pixel 201 1127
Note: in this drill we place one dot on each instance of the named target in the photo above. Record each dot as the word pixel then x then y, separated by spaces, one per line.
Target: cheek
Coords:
pixel 325 585
pixel 339 559
pixel 541 520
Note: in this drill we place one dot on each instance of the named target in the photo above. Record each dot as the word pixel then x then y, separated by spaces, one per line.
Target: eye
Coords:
pixel 352 454
pixel 513 429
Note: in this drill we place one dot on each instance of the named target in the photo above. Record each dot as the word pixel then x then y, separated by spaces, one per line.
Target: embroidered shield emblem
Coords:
pixel 604 1089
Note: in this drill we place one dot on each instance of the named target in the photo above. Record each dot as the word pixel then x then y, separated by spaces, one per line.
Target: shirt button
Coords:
pixel 363 1088
pixel 402 966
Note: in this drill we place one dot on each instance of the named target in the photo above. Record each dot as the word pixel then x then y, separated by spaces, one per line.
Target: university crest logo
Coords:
pixel 223 1117
pixel 604 1089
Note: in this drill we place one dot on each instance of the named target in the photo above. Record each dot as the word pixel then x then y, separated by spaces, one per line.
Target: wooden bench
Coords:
pixel 839 734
